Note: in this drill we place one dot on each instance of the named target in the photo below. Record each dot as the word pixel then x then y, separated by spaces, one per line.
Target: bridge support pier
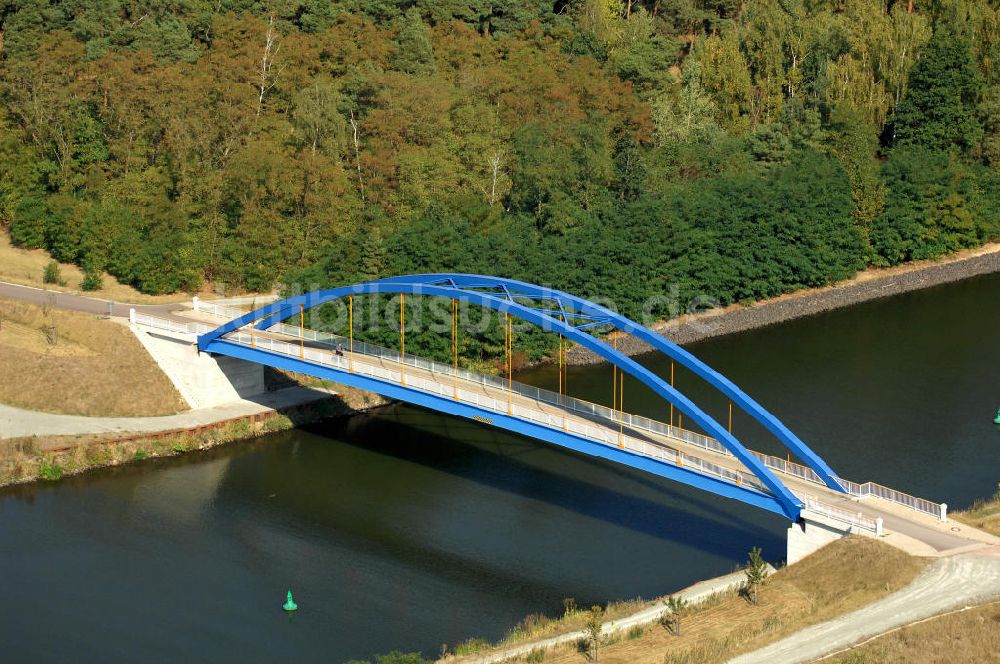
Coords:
pixel 813 531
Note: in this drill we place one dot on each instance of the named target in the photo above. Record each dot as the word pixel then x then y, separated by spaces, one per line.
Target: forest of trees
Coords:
pixel 732 148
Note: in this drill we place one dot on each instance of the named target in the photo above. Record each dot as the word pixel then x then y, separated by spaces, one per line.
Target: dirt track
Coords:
pixel 948 583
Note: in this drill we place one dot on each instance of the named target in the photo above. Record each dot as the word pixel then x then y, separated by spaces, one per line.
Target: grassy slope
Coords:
pixel 839 578
pixel 96 367
pixel 25 267
pixel 984 514
pixel 971 635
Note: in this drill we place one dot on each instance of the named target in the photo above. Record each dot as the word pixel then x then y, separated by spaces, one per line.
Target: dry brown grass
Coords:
pixel 96 367
pixel 839 578
pixel 969 636
pixel 984 514
pixel 25 267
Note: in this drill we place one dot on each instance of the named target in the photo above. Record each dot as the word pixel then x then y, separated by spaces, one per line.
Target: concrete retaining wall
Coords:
pixel 203 380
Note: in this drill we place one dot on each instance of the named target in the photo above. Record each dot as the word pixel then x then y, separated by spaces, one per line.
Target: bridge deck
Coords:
pixel 918 531
pixel 907 520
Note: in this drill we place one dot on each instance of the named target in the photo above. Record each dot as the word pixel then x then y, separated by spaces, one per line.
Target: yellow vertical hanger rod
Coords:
pixel 510 364
pixel 402 342
pixel 621 411
pixel 671 385
pixel 454 345
pixel 614 379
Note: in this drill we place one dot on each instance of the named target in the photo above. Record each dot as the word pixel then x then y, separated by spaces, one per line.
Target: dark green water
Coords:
pixel 404 529
pixel 900 391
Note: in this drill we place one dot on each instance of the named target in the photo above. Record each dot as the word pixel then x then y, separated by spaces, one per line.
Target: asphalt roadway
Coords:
pixel 85 304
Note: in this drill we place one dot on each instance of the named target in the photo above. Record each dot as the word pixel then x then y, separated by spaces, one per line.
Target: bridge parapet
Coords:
pixel 630 421
pixel 562 313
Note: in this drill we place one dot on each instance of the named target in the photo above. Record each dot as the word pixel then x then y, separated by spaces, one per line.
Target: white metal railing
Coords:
pixel 598 434
pixel 217 309
pixel 627 420
pixel 244 299
pixel 855 519
pixel 624 420
pixel 169 325
pixel 868 489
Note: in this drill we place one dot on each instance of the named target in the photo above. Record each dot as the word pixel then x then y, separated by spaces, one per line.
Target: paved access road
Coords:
pixel 82 303
pixel 946 584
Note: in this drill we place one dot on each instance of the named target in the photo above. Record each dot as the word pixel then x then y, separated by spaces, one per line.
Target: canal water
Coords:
pixel 403 529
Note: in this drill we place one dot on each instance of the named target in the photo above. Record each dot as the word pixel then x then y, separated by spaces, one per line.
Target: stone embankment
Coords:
pixel 868 285
pixel 100 442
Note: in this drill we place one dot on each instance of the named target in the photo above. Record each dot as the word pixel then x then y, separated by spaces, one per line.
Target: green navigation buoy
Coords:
pixel 290 605
pixel 996 420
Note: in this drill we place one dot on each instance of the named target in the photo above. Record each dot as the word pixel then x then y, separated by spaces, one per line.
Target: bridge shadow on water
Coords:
pixel 419 508
pixel 593 488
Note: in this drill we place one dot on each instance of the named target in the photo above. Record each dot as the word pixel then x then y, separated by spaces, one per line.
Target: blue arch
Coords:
pixel 567 315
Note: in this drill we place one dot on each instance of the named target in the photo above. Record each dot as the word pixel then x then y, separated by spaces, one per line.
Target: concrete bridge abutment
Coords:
pixel 203 380
pixel 813 531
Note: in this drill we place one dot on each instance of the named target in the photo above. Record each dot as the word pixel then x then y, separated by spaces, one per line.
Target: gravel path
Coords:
pixel 946 584
pixel 694 595
pixel 20 423
pixel 867 286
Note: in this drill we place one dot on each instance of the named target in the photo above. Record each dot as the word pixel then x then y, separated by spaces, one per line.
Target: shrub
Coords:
pixel 51 275
pixel 92 280
pixel 471 646
pixel 50 471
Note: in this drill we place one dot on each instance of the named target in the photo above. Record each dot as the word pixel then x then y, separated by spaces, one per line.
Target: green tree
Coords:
pixel 318 120
pixel 725 75
pixel 855 144
pixel 930 207
pixel 686 114
pixel 27 226
pixel 939 110
pixel 755 573
pixel 373 261
pixel 414 53
pixel 676 607
pixel 595 621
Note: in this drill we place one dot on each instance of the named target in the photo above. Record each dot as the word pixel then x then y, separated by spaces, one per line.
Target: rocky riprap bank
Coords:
pixel 736 318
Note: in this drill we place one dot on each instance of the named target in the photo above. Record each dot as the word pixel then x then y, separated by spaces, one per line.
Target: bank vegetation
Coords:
pixel 840 578
pixel 652 153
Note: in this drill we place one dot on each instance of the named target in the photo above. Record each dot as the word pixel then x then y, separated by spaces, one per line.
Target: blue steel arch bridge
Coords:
pixel 713 460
